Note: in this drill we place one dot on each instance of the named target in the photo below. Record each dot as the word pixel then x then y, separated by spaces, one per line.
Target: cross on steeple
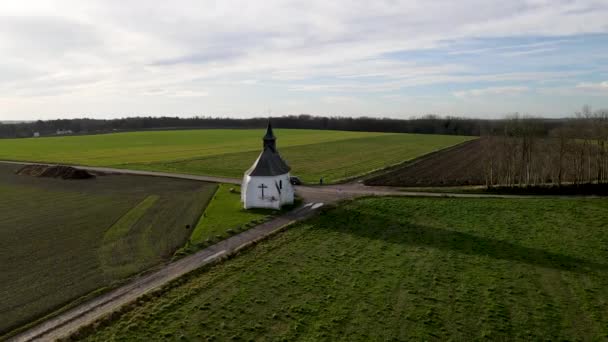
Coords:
pixel 262 186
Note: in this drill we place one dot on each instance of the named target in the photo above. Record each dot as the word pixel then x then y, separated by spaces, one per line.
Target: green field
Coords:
pixel 312 154
pixel 62 239
pixel 398 269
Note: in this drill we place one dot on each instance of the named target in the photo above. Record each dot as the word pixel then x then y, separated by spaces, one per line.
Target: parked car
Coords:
pixel 295 180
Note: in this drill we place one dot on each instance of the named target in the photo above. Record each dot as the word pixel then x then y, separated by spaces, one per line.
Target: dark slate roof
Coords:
pixel 269 163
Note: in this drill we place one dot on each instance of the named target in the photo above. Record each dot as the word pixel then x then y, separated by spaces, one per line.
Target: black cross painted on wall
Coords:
pixel 262 186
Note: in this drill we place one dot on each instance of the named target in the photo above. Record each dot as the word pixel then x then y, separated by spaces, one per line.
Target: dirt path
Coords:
pixel 86 313
pixel 310 193
pixel 211 179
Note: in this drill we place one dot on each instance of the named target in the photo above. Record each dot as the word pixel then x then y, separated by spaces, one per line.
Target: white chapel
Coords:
pixel 267 183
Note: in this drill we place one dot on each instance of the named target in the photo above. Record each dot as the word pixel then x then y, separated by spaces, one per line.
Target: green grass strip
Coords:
pixel 123 225
pixel 224 212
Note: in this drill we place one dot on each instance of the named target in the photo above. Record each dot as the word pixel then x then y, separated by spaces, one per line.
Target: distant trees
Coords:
pixel 525 153
pixel 430 124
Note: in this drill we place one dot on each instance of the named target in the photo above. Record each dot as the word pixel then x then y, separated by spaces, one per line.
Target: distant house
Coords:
pixel 267 184
pixel 36 134
pixel 64 131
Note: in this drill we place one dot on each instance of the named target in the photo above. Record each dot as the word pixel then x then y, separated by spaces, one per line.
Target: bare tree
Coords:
pixel 600 135
pixel 525 154
pixel 584 130
pixel 561 135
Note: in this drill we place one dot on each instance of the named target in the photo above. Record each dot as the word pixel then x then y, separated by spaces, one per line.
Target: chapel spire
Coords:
pixel 269 139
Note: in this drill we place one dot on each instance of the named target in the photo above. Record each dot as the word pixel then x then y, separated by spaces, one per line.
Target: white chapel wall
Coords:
pixel 251 193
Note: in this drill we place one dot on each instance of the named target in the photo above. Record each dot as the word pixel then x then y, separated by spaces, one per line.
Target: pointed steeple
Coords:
pixel 269 139
pixel 269 162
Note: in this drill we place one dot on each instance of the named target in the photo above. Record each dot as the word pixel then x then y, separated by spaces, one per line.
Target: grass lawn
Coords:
pixel 156 146
pixel 229 152
pixel 331 160
pixel 401 268
pixel 62 239
pixel 225 212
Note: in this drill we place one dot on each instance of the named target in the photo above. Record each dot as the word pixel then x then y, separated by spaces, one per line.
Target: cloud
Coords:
pixel 586 89
pixel 511 48
pixel 340 99
pixel 408 80
pixel 491 91
pixel 529 52
pixel 601 86
pixel 190 93
pixel 94 55
pixel 203 58
pixel 49 36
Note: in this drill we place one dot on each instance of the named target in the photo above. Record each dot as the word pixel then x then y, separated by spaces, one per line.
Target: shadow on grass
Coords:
pixel 379 227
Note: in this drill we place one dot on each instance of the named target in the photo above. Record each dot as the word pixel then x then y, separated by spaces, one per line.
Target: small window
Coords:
pixel 281 184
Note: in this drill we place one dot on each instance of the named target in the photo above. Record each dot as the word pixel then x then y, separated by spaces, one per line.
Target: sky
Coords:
pixel 474 58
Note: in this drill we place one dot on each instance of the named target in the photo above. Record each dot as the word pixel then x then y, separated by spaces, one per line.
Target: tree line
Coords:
pixel 429 124
pixel 524 153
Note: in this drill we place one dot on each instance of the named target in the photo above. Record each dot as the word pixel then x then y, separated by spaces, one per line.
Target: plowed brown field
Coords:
pixel 461 165
pixel 464 165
